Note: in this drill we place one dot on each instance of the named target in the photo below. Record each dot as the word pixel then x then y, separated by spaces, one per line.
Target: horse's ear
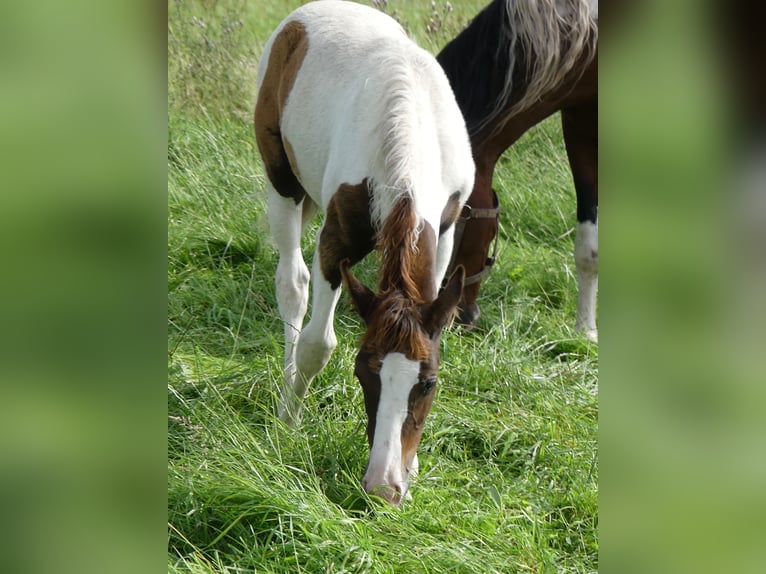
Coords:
pixel 439 313
pixel 361 296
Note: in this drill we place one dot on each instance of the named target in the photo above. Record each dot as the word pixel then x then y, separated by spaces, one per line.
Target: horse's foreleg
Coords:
pixel 292 280
pixel 580 126
pixel 318 339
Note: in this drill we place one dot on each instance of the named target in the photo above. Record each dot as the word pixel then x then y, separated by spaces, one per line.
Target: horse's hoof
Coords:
pixel 289 417
pixel 590 334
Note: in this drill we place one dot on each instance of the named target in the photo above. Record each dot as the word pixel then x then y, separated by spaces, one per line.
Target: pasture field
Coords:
pixel 508 459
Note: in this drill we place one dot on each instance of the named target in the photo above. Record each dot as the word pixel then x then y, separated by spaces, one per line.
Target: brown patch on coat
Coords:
pixel 291 157
pixel 287 53
pixel 347 232
pixel 450 212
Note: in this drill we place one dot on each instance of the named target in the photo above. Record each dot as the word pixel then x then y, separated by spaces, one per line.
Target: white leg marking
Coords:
pixel 292 281
pixel 398 375
pixel 586 261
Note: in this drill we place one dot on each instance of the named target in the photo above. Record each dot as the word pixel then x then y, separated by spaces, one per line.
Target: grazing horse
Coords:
pixel 518 62
pixel 351 116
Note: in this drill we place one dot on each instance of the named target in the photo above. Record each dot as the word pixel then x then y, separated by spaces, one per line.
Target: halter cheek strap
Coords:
pixel 467 214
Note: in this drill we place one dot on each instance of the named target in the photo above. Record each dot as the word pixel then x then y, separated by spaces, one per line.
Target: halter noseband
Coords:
pixel 466 214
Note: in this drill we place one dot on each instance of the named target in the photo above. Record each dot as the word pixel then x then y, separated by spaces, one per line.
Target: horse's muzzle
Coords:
pixel 468 316
pixel 392 493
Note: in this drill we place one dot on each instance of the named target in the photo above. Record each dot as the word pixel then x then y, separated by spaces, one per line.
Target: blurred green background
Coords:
pixel 681 297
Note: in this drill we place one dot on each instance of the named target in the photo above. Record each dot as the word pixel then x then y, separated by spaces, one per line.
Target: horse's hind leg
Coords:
pixel 292 282
pixel 290 208
pixel 580 126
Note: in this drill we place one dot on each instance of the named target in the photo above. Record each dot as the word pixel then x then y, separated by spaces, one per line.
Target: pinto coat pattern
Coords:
pixel 353 118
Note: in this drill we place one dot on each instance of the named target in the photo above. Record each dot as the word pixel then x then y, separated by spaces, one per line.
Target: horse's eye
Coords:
pixel 427 385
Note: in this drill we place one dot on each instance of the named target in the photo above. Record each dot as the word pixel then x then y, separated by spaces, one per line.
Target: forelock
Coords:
pixel 396 328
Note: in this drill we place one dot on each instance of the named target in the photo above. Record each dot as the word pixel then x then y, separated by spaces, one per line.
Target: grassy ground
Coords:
pixel 508 459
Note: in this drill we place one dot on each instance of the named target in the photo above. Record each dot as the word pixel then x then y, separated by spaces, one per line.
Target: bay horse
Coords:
pixel 515 64
pixel 353 118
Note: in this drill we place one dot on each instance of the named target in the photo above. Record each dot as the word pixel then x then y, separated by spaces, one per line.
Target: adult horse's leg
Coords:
pixel 292 281
pixel 580 126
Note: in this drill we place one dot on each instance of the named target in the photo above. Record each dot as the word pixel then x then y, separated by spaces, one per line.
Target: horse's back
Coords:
pixel 341 90
pixel 329 115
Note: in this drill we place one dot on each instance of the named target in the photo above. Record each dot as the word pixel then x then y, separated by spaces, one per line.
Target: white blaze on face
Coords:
pixel 398 375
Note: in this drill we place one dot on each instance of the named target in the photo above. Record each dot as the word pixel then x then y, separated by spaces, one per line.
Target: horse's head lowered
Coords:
pixel 397 367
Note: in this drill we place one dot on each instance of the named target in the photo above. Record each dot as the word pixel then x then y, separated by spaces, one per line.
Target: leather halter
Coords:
pixel 466 214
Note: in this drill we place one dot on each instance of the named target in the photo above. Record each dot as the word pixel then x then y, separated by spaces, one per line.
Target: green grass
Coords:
pixel 508 458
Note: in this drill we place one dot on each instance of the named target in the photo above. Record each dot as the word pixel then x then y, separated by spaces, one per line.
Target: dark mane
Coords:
pixel 478 62
pixel 515 53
